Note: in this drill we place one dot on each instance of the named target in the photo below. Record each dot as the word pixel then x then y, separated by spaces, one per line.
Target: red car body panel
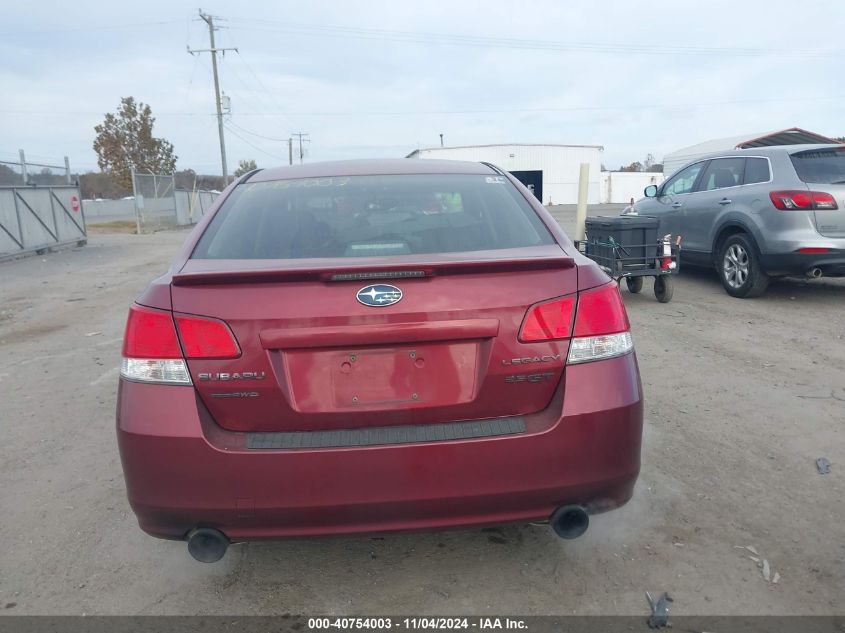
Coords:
pixel 182 470
pixel 317 360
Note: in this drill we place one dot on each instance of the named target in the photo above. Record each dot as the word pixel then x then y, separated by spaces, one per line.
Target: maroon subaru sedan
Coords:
pixel 373 346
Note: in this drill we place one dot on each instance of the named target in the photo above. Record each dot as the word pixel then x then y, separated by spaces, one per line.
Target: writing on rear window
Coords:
pixel 371 216
pixel 328 181
pixel 823 166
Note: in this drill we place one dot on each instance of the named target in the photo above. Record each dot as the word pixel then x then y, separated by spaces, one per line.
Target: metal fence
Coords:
pixel 192 205
pixel 155 201
pixel 34 219
pixel 159 205
pixel 26 172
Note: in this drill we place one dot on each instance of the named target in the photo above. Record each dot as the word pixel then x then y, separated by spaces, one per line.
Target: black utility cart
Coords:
pixel 629 246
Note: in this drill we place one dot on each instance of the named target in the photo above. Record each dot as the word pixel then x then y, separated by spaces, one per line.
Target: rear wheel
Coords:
pixel 664 288
pixel 739 268
pixel 635 284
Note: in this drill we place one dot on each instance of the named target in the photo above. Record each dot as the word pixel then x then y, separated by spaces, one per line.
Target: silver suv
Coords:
pixel 757 213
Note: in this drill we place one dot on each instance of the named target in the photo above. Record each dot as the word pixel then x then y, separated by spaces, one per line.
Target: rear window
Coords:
pixel 366 216
pixel 825 166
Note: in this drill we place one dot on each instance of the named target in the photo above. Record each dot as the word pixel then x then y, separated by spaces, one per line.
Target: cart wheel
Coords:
pixel 635 284
pixel 664 288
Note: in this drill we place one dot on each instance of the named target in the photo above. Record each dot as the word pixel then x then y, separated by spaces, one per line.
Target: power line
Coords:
pixel 272 101
pixel 261 83
pixel 632 106
pixel 256 100
pixel 268 138
pixel 81 29
pixel 253 146
pixel 458 39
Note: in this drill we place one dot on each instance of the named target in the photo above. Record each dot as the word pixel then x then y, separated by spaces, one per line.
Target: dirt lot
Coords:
pixel 742 397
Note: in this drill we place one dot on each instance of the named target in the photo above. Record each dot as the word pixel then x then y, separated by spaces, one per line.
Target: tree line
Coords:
pixel 125 141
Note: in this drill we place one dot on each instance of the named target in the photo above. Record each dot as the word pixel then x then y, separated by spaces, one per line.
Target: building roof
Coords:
pixel 369 166
pixel 789 136
pixel 437 148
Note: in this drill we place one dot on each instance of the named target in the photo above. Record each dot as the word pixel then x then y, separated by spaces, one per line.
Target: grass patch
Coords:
pixel 115 226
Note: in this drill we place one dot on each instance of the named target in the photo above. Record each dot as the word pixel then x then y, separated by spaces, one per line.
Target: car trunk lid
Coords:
pixel 314 357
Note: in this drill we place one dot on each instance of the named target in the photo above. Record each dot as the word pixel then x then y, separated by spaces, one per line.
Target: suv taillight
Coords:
pixel 601 328
pixel 803 200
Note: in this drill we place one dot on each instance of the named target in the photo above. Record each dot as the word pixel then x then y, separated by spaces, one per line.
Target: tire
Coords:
pixel 739 267
pixel 664 288
pixel 635 284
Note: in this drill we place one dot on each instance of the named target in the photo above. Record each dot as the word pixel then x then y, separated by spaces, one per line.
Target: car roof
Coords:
pixel 371 167
pixel 768 150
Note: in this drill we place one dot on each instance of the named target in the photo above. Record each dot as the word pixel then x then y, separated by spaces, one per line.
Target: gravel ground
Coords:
pixel 741 398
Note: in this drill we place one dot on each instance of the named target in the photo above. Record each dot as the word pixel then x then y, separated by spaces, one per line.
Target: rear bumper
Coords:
pixel 832 263
pixel 183 471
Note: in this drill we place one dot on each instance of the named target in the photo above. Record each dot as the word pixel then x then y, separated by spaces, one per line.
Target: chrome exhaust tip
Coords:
pixel 207 545
pixel 570 522
pixel 814 273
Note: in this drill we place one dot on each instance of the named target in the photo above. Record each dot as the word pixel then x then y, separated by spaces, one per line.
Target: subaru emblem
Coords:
pixel 379 295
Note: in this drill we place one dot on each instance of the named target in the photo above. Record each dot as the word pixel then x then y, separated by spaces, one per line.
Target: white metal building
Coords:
pixel 618 187
pixel 552 171
pixel 790 136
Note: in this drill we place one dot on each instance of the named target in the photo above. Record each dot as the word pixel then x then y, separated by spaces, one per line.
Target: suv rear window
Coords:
pixel 366 216
pixel 823 166
pixel 756 170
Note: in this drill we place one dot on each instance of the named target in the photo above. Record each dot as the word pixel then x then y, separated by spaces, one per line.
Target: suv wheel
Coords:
pixel 739 267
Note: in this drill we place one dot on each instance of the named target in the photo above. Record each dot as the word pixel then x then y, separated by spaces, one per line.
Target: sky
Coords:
pixel 381 78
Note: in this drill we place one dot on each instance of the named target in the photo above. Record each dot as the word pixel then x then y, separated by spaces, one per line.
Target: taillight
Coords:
pixel 150 334
pixel 601 311
pixel 803 200
pixel 151 350
pixel 823 201
pixel 548 321
pixel 206 338
pixel 601 326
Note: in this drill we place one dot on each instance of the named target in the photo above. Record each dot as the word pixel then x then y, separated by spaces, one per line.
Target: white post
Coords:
pixel 23 166
pixel 135 202
pixel 581 213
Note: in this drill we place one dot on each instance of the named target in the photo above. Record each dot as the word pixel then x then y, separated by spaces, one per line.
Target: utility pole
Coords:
pixel 290 151
pixel 209 20
pixel 302 138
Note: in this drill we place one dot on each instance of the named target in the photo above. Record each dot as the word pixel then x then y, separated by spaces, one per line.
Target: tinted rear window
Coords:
pixel 756 170
pixel 365 216
pixel 826 166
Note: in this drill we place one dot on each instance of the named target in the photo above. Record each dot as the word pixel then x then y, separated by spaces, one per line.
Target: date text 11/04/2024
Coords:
pixel 421 623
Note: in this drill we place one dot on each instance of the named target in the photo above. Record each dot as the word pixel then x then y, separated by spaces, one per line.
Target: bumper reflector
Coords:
pixel 172 372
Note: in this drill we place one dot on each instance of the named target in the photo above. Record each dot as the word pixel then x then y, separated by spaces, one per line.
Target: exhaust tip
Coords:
pixel 207 545
pixel 570 522
pixel 814 273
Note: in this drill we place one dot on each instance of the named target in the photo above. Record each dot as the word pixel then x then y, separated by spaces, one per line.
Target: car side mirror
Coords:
pixel 650 191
